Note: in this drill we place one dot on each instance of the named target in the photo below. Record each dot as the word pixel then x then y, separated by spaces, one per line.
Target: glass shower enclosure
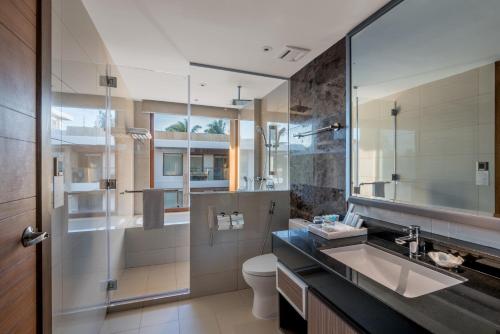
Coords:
pixel 103 145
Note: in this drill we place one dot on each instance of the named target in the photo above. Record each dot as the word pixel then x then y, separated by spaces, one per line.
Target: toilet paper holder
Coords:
pixel 232 221
pixel 221 221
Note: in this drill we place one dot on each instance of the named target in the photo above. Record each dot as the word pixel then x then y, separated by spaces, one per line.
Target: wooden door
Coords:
pixel 323 320
pixel 20 285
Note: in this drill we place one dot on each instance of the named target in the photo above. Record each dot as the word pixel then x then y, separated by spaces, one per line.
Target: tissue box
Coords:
pixel 336 231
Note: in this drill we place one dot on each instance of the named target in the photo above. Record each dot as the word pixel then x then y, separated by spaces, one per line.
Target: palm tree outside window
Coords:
pixel 216 127
pixel 181 126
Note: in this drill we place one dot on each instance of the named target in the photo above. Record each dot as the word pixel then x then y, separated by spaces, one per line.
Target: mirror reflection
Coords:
pixel 423 105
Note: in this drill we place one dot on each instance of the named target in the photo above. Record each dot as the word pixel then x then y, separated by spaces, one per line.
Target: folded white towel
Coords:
pixel 153 209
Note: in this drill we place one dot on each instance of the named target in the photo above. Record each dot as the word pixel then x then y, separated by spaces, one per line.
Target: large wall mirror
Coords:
pixel 423 110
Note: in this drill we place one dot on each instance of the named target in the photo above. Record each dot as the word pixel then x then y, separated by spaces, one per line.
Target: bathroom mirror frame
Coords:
pixel 446 214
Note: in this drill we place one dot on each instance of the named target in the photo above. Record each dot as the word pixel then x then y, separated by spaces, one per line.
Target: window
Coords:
pixel 197 173
pixel 173 199
pixel 221 167
pixel 172 164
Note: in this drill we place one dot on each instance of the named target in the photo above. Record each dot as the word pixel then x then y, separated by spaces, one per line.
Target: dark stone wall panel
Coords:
pixel 317 163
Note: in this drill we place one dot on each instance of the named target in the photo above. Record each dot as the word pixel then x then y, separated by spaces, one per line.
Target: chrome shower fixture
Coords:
pixel 140 134
pixel 260 130
pixel 239 101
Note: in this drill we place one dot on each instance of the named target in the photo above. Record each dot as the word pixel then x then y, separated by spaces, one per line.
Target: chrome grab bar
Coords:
pixel 334 127
pixel 141 191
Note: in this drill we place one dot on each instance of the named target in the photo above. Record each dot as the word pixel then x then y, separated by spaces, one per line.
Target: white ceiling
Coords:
pixel 163 35
pixel 220 87
pixel 210 87
pixel 423 41
pixel 152 42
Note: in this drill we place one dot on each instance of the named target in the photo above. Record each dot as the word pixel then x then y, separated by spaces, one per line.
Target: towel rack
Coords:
pixel 331 127
pixel 357 189
pixel 141 191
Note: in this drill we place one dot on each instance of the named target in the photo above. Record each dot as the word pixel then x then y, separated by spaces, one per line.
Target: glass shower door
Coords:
pixel 79 220
pixel 143 154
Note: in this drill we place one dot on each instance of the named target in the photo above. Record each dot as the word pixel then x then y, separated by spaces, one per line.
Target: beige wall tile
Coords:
pixel 486 108
pixel 449 89
pixel 231 247
pixel 486 138
pixel 450 141
pixel 207 259
pixel 150 257
pixel 453 114
pixel 487 79
pixel 137 239
pixel 214 283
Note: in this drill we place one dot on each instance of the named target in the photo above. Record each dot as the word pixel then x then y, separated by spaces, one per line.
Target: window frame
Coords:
pixel 226 158
pixel 202 156
pixel 172 154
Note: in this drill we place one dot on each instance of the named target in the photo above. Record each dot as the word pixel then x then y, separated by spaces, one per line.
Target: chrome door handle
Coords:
pixel 30 237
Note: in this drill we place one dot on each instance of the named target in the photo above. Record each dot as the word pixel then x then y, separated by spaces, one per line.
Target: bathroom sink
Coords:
pixel 403 276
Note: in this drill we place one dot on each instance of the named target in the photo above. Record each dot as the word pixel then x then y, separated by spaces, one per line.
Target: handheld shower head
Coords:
pixel 281 133
pixel 260 130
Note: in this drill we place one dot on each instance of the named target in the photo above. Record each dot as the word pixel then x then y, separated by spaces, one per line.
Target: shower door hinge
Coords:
pixel 112 285
pixel 394 111
pixel 108 184
pixel 395 177
pixel 108 81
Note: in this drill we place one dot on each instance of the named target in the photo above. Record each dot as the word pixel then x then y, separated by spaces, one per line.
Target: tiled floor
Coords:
pixel 149 280
pixel 228 313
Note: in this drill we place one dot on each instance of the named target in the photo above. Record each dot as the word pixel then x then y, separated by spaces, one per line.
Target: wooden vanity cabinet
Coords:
pixel 323 320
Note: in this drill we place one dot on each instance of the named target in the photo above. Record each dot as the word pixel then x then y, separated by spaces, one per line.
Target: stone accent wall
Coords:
pixel 317 163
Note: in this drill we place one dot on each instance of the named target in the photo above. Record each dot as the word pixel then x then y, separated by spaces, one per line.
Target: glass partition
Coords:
pixel 78 133
pixel 239 131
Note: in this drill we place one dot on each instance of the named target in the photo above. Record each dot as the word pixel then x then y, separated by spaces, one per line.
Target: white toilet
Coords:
pixel 260 274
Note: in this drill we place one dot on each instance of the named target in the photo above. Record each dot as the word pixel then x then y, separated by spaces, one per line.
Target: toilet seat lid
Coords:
pixel 263 265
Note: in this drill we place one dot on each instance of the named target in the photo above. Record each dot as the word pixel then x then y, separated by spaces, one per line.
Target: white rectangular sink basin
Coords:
pixel 405 277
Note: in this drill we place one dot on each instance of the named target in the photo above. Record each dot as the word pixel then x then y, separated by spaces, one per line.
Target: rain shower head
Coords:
pixel 239 101
pixel 300 108
pixel 139 134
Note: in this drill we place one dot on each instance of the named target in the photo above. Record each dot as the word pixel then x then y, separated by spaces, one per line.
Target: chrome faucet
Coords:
pixel 413 240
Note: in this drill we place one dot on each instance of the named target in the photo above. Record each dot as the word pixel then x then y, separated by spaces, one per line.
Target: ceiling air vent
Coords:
pixel 293 53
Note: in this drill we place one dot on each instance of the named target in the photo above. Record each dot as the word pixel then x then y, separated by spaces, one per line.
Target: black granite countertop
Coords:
pixel 470 307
